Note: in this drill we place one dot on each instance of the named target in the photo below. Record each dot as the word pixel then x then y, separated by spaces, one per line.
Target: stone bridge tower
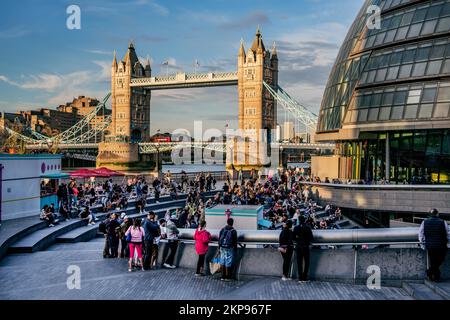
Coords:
pixel 130 116
pixel 257 108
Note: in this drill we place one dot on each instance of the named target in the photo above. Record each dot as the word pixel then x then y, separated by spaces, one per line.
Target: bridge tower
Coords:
pixel 130 116
pixel 257 107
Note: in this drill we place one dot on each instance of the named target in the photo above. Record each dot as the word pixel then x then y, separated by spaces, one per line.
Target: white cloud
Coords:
pixel 66 86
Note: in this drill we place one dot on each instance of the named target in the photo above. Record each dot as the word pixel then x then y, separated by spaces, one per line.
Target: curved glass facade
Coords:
pixel 412 46
pixel 387 100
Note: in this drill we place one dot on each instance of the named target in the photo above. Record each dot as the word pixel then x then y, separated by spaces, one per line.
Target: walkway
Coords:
pixel 42 275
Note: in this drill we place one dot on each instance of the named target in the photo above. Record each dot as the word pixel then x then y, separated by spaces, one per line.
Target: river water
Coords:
pixel 193 168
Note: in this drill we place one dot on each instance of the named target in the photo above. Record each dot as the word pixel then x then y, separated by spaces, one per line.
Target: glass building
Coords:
pixel 387 100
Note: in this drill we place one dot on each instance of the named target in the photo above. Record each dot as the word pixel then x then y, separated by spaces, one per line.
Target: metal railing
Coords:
pixel 381 236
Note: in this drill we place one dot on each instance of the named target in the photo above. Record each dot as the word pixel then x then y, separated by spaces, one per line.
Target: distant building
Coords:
pixel 51 122
pixel 288 131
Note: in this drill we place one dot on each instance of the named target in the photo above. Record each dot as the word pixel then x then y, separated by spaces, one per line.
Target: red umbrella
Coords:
pixel 105 172
pixel 82 173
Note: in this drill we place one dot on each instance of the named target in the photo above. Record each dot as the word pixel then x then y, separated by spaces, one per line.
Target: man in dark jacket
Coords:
pixel 227 245
pixel 303 237
pixel 150 227
pixel 112 233
pixel 434 235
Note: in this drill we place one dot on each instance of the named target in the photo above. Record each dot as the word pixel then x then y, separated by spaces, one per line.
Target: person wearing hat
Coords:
pixel 434 235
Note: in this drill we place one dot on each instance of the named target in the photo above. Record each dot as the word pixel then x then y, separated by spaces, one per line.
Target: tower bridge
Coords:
pixel 125 135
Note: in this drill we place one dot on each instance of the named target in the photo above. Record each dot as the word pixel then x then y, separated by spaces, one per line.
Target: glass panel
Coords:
pixel 419 69
pixel 388 98
pixel 408 55
pixel 434 67
pixel 376 100
pixel 384 113
pixel 397 113
pixel 437 52
pixel 411 111
pixel 405 71
pixel 414 30
pixel 392 73
pixel 401 33
pixel 443 25
pixel 446 68
pixel 407 18
pixel 381 74
pixel 362 116
pixel 425 111
pixel 444 94
pixel 429 94
pixel 434 11
pixel 414 96
pixel 423 53
pixel 428 27
pixel 400 97
pixel 373 114
pixel 441 110
pixel 419 15
pixel 390 36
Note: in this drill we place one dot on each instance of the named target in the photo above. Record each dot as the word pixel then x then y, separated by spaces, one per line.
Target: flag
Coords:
pixel 197 64
pixel 165 63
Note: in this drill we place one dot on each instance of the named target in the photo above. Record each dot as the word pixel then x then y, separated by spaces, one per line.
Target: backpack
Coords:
pixel 226 240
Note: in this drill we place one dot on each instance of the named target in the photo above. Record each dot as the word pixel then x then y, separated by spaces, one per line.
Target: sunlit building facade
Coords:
pixel 387 100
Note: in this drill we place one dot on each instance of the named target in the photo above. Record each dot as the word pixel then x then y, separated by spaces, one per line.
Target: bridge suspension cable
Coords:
pixel 298 111
pixel 73 135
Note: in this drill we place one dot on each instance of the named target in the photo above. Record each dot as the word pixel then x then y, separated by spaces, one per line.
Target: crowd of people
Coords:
pixel 288 204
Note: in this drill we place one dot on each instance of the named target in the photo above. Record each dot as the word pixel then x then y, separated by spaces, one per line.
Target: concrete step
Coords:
pixel 90 232
pixel 441 288
pixel 44 238
pixel 420 291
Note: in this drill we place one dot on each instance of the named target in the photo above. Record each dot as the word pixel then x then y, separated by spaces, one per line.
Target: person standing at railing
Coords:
pixel 227 246
pixel 202 238
pixel 434 234
pixel 303 237
pixel 286 248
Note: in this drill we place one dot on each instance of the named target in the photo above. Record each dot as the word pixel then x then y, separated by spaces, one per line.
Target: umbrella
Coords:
pixel 82 173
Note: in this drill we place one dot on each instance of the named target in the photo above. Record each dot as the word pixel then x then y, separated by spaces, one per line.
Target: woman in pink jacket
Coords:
pixel 202 239
pixel 134 236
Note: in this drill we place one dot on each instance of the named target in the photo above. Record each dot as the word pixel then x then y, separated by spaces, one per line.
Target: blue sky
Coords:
pixel 44 64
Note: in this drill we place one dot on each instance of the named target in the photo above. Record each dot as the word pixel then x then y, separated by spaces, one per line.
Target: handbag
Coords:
pixel 128 237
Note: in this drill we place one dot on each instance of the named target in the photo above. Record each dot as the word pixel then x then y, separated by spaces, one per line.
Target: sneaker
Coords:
pixel 172 266
pixel 143 269
pixel 51 225
pixel 222 279
pixel 129 270
pixel 284 278
pixel 199 275
pixel 167 265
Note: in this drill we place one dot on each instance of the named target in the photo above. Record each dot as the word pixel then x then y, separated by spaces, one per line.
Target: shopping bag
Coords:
pixel 214 265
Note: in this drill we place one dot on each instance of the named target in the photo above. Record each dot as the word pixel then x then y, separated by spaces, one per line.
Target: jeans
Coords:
pixel 113 241
pixel 303 253
pixel 147 254
pixel 173 245
pixel 200 262
pixel 287 261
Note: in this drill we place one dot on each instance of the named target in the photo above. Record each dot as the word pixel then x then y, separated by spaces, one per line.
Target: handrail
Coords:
pixel 325 237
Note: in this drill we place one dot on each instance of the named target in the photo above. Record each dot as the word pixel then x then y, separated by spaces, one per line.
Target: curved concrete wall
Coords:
pixel 397 198
pixel 346 265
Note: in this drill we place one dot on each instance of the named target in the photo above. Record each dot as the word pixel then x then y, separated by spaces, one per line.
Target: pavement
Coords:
pixel 44 275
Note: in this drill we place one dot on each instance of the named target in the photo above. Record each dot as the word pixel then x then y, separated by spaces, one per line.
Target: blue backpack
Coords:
pixel 226 241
